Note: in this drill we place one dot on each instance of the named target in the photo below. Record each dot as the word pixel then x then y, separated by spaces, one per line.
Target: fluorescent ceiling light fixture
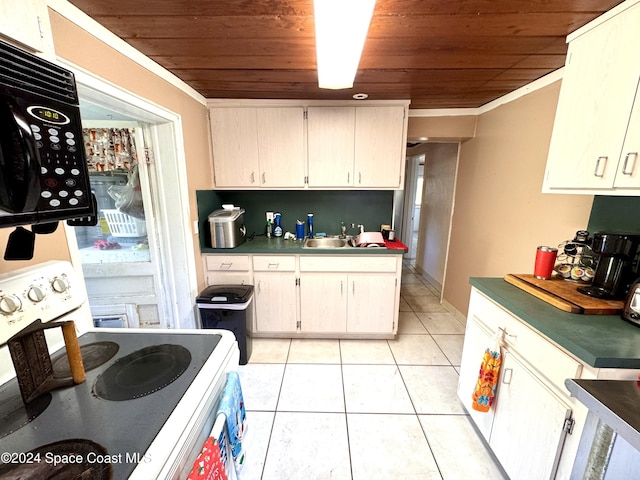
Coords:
pixel 341 29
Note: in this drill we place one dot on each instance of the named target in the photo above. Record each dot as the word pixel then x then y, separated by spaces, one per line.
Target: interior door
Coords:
pixel 120 256
pixel 529 447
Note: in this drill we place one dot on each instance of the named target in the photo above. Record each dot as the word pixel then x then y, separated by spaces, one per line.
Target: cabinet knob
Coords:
pixel 626 163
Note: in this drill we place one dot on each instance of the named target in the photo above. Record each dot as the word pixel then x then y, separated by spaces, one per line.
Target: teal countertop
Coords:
pixel 279 246
pixel 602 341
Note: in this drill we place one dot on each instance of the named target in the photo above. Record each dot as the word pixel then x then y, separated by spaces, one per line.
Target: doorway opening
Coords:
pixel 428 208
pixel 130 259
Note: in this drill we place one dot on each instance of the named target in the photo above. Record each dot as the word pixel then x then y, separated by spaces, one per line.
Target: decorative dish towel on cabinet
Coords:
pixel 232 406
pixel 208 465
pixel 485 392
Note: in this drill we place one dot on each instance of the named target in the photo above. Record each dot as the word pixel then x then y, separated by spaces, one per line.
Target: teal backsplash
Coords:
pixel 370 208
pixel 615 215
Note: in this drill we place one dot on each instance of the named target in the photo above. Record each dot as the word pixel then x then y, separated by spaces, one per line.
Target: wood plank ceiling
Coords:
pixel 437 53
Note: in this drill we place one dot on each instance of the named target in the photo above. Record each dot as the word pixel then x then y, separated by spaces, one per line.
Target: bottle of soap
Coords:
pixel 277 229
pixel 310 225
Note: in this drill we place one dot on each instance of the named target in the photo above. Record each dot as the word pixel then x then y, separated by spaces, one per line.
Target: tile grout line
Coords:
pixel 424 433
pixel 344 400
pixel 275 411
pixel 416 415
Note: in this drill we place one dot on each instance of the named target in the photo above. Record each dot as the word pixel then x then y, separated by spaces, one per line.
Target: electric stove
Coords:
pixel 146 406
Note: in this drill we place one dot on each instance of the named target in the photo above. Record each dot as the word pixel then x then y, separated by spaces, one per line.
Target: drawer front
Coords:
pixel 326 263
pixel 274 263
pixel 228 278
pixel 238 263
pixel 542 355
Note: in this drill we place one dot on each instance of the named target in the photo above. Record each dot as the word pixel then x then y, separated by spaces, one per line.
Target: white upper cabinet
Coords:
pixel 628 174
pixel 27 23
pixel 380 147
pixel 258 147
pixel 335 146
pixel 588 151
pixel 234 134
pixel 331 133
pixel 360 147
pixel 281 147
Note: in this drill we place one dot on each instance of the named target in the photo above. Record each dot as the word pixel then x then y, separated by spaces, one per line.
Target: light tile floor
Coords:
pixel 364 409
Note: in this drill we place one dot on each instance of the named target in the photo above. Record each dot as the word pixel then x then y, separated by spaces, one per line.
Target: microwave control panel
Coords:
pixel 62 165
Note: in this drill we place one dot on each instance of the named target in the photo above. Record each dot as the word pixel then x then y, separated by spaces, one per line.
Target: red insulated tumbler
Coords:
pixel 545 260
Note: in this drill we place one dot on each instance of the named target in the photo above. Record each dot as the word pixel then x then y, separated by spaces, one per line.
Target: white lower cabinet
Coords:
pixel 528 423
pixel 528 429
pixel 323 302
pixel 350 295
pixel 354 303
pixel 371 303
pixel 275 296
pixel 275 293
pixel 228 270
pixel 323 296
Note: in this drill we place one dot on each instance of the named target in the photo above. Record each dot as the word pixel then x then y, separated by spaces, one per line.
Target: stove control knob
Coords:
pixel 60 284
pixel 36 294
pixel 9 304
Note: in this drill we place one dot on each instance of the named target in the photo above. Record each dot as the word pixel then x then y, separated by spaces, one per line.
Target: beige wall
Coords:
pixel 445 128
pixel 53 246
pixel 500 216
pixel 77 46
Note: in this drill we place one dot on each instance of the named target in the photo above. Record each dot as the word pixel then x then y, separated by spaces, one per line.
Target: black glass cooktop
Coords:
pixel 121 426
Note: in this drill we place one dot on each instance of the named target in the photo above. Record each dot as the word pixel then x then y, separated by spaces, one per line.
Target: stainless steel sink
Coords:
pixel 326 243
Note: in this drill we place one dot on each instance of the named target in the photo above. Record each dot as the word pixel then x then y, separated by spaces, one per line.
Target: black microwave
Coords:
pixel 43 170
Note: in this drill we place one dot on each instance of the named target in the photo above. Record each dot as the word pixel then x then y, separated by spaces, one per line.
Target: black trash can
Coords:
pixel 229 307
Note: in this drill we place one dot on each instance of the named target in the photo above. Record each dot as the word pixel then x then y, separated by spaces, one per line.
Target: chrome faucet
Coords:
pixel 343 230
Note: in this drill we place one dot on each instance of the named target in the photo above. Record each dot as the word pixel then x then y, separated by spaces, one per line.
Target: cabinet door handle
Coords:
pixel 225 266
pixel 360 177
pixel 259 286
pixel 273 266
pixel 264 179
pixel 506 334
pixel 253 177
pixel 353 287
pixel 506 376
pixel 341 285
pixel 626 162
pixel 604 165
pixel 348 177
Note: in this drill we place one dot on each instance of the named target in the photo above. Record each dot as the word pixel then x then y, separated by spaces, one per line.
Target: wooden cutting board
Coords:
pixel 564 295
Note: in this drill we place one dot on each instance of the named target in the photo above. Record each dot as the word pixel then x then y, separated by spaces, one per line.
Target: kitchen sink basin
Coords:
pixel 326 243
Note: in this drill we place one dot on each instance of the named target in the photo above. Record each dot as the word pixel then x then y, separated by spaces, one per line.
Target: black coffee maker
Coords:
pixel 618 265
